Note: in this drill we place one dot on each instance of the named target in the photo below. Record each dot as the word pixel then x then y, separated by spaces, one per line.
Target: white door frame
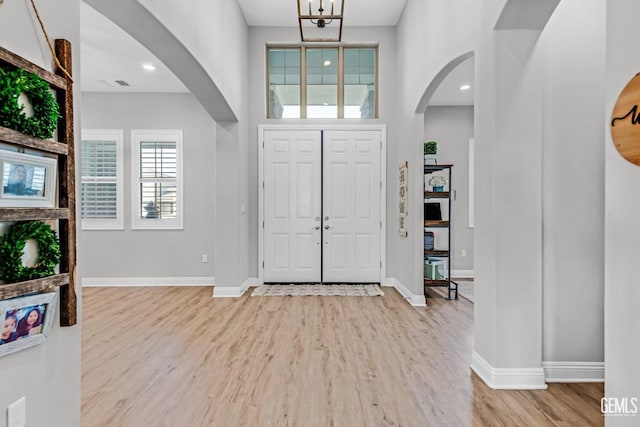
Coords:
pixel 383 189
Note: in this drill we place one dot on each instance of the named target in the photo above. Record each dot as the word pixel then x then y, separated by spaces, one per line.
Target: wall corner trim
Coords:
pixel 508 378
pixel 147 281
pixel 574 372
pixel 234 291
pixel 413 299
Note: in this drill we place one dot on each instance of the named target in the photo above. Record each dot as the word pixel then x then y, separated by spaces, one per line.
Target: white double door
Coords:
pixel 322 206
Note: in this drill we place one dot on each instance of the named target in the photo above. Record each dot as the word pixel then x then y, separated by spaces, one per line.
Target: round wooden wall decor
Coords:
pixel 625 121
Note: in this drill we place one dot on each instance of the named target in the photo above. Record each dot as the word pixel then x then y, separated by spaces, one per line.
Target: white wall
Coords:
pixel 215 34
pixel 430 35
pixel 523 114
pixel 48 374
pixel 258 38
pixel 157 253
pixel 622 222
pixel 573 182
pixel 452 127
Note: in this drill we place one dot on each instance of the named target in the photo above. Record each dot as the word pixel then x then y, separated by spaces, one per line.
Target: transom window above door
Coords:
pixel 322 82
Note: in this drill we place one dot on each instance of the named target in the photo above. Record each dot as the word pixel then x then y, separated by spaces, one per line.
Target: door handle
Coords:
pixel 317 227
pixel 326 227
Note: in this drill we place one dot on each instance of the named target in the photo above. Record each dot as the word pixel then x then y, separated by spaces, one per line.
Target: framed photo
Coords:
pixel 26 321
pixel 26 180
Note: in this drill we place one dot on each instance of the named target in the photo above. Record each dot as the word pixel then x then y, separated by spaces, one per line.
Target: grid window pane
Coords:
pixel 359 83
pixel 98 188
pixel 322 83
pixel 284 83
pixel 358 74
pixel 158 200
pixel 158 159
pixel 98 200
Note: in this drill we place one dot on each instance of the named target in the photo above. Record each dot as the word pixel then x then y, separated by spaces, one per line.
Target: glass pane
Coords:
pixel 284 83
pixel 322 83
pixel 158 159
pixel 158 200
pixel 98 159
pixel 98 200
pixel 360 83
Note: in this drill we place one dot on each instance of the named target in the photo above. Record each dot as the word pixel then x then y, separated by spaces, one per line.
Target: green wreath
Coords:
pixel 45 108
pixel 12 249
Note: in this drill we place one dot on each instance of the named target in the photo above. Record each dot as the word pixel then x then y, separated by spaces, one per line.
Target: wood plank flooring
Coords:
pixel 155 357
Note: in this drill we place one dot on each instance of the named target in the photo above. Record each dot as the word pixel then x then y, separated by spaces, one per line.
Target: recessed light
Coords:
pixel 327 63
pixel 149 67
pixel 465 87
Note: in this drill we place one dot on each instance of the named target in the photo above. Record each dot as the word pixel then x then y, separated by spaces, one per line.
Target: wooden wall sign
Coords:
pixel 625 121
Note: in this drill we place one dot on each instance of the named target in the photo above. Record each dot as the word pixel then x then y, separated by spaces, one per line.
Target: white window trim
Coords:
pixel 138 223
pixel 116 135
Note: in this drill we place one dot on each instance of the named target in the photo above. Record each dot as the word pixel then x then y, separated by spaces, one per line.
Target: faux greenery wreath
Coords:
pixel 45 108
pixel 12 248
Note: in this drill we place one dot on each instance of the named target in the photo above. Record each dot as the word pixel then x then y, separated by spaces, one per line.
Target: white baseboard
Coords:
pixel 462 273
pixel 508 378
pixel 234 291
pixel 147 281
pixel 574 372
pixel 413 299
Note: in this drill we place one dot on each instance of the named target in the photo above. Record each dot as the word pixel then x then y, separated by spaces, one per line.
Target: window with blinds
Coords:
pixel 101 181
pixel 157 168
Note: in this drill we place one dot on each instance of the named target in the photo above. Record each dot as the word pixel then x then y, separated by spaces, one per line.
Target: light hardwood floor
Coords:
pixel 156 357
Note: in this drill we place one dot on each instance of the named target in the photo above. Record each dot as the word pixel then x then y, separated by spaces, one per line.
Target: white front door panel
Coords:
pixel 292 206
pixel 351 206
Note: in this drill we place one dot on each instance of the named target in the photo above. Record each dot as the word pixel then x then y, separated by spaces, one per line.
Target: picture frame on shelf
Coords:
pixel 27 180
pixel 26 321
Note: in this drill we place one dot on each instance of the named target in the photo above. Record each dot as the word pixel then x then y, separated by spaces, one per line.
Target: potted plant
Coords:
pixel 430 151
pixel 437 182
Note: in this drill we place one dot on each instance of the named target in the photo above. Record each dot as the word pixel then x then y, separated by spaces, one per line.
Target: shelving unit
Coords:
pixel 64 213
pixel 445 197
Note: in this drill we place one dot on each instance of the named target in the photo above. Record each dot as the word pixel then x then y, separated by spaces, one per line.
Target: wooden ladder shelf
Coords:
pixel 65 212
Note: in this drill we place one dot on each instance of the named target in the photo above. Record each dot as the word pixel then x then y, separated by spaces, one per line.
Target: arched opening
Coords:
pixel 448 108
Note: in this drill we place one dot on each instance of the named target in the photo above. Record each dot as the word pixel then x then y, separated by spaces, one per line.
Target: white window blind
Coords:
pixel 158 195
pixel 101 204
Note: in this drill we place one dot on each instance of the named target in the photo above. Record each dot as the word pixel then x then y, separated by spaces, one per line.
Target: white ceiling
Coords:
pixel 108 53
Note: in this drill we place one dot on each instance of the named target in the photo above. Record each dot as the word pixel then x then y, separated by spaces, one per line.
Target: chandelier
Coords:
pixel 313 24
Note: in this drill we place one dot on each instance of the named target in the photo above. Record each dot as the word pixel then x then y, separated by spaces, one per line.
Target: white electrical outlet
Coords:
pixel 463 252
pixel 17 413
pixel 205 258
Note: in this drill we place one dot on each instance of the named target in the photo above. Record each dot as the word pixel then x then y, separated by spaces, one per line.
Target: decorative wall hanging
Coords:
pixel 26 321
pixel 625 121
pixel 403 199
pixel 12 249
pixel 13 83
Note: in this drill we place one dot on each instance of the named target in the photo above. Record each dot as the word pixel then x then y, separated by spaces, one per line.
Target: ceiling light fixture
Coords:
pixel 319 19
pixel 326 63
pixel 149 67
pixel 465 87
